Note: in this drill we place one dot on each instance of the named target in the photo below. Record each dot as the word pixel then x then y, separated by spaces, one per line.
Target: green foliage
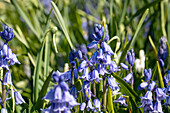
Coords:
pixel 44 38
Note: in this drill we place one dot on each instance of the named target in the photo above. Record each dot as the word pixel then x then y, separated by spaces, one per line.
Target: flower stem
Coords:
pixel 131 83
pixel 104 93
pixel 94 89
pixel 4 90
pixel 72 77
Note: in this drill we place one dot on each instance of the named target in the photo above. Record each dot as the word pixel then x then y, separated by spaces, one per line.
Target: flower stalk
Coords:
pixel 104 93
pixel 4 90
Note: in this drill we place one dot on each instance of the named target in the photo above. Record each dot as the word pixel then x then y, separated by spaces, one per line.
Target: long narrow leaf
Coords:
pixel 37 71
pixel 132 41
pixel 47 56
pixel 153 46
pixel 42 93
pixel 160 75
pixel 24 16
pixel 110 101
pixel 61 22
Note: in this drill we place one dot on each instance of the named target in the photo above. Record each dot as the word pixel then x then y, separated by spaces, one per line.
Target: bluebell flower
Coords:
pixel 82 65
pixel 121 100
pixel 128 78
pixel 7 79
pixel 168 90
pixel 49 95
pixel 167 101
pixel 113 67
pixel 112 84
pixel 85 74
pixel 160 94
pixel 4 110
pixel 99 31
pixel 93 58
pixel 131 57
pixel 161 63
pixel 100 55
pixel 97 104
pixel 157 107
pixel 60 98
pixel 7 34
pixel 101 69
pixel 57 94
pixel 108 60
pixel 73 91
pixel 148 74
pixel 95 76
pixel 4 63
pixel 18 98
pixel 75 72
pixel 64 86
pixel 107 49
pixel 151 86
pixel 124 66
pixel 92 45
pixel 82 106
pixel 80 55
pixel 147 97
pixel 143 85
pixel 89 106
pixel 57 76
pixel 14 60
pixel 147 102
pixel 165 80
pixel 168 75
pixel 162 52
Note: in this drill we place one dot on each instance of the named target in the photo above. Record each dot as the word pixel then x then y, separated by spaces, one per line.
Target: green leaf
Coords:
pixel 24 16
pixel 37 71
pixel 30 106
pixel 47 56
pixel 160 75
pixel 110 101
pixel 132 41
pixel 54 43
pixel 141 10
pixel 153 46
pixel 61 22
pixel 125 87
pixel 168 29
pixel 117 43
pixel 42 93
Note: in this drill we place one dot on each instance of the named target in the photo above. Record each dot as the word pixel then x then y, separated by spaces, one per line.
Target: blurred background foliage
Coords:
pixel 32 21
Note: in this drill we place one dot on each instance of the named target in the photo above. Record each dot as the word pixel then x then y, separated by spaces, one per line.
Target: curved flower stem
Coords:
pixel 104 93
pixel 4 90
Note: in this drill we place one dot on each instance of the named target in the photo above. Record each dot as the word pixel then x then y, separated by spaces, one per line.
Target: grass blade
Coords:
pixel 24 16
pixel 61 22
pixel 54 43
pixel 42 93
pixel 153 46
pixel 47 56
pixel 160 75
pixel 132 41
pixel 37 71
pixel 110 101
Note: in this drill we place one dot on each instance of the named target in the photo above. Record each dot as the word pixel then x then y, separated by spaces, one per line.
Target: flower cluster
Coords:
pixel 7 58
pixel 151 98
pixel 60 98
pixel 130 57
